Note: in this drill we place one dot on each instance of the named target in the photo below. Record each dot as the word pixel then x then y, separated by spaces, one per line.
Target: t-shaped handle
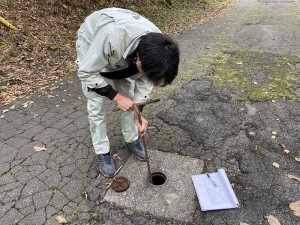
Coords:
pixel 141 103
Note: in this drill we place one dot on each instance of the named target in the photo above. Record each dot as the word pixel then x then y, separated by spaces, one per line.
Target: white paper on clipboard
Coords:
pixel 214 192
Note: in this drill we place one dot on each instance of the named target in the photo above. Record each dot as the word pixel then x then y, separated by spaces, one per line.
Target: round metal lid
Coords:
pixel 120 184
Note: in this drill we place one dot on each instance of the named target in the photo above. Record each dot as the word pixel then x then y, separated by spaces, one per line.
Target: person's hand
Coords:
pixel 127 104
pixel 140 121
pixel 124 103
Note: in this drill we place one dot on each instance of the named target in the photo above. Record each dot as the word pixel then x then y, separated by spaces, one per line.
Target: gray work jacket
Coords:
pixel 106 38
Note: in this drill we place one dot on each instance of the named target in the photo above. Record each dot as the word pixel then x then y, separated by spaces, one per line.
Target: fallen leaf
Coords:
pixel 293 177
pixel 108 183
pixel 85 194
pixel 115 157
pixel 5 110
pixel 286 151
pixel 254 82
pixel 273 137
pixel 2 116
pixel 297 159
pixel 60 219
pixel 53 88
pixel 12 107
pixel 242 223
pixel 251 133
pixel 272 220
pixel 41 88
pixel 282 145
pixel 295 207
pixel 275 164
pixel 39 149
pixel 273 132
pixel 27 104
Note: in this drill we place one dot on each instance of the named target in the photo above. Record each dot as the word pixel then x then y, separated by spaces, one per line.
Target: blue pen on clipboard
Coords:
pixel 213 182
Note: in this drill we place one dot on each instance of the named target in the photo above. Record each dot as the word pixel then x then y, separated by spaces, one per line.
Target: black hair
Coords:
pixel 159 55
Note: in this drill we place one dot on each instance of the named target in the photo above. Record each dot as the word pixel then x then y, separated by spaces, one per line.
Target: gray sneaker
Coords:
pixel 137 149
pixel 106 165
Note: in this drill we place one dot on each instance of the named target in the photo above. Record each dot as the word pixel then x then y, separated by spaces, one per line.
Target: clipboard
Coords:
pixel 214 191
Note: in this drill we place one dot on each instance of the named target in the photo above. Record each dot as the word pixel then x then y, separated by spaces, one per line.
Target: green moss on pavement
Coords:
pixel 258 77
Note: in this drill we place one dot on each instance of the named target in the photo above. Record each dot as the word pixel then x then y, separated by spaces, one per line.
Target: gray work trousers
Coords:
pixel 137 90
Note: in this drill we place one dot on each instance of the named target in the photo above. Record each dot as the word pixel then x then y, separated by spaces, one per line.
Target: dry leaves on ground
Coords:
pixel 12 107
pixel 27 104
pixel 39 149
pixel 272 220
pixel 293 177
pixel 85 195
pixel 115 157
pixel 60 219
pixel 274 135
pixel 7 110
pixel 295 207
pixel 286 151
pixel 32 57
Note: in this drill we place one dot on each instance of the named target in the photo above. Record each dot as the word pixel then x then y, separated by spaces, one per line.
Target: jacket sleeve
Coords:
pixel 142 89
pixel 96 58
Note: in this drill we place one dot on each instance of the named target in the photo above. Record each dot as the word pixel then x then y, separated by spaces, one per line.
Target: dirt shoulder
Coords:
pixel 42 49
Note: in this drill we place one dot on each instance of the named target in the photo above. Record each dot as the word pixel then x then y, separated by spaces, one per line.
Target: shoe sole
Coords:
pixel 107 176
pixel 140 159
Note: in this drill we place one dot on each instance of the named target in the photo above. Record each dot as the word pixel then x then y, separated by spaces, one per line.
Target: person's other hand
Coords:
pixel 124 103
pixel 142 123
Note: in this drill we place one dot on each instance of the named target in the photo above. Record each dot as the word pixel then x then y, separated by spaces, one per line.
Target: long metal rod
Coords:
pixel 112 180
pixel 146 152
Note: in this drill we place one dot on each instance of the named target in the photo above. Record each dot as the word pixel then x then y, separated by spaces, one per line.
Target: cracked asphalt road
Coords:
pixel 224 108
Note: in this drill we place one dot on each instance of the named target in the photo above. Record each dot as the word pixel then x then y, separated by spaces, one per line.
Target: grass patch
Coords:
pixel 258 77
